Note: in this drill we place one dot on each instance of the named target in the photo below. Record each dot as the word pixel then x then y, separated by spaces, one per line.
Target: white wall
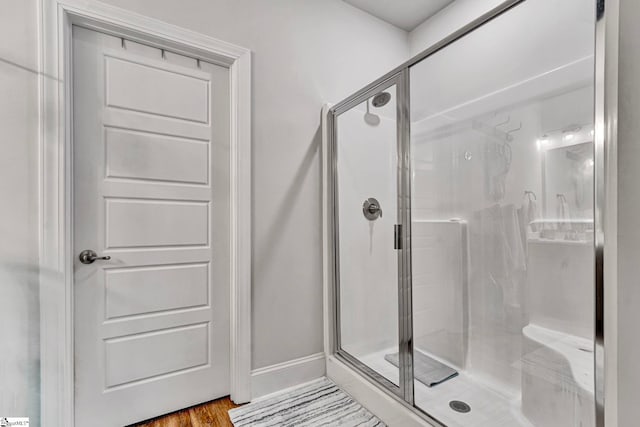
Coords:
pixel 448 20
pixel 19 323
pixel 628 214
pixel 501 56
pixel 439 280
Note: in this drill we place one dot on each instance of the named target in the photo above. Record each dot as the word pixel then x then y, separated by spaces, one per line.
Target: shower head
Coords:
pixel 381 99
pixel 371 119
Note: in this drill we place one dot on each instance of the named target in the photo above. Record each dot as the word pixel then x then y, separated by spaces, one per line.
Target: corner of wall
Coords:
pixel 271 379
pixel 447 21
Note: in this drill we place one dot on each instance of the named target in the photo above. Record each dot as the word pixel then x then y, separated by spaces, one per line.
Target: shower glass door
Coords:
pixel 368 220
pixel 465 225
pixel 502 131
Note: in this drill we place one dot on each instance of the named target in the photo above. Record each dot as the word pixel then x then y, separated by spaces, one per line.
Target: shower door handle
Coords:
pixel 397 236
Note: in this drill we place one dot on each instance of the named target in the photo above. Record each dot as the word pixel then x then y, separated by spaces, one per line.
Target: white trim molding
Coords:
pixel 327 261
pixel 56 222
pixel 271 379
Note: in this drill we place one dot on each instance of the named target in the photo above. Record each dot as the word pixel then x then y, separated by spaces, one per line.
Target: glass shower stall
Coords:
pixel 464 222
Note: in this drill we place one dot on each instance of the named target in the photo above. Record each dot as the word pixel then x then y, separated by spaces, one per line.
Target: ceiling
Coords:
pixel 405 14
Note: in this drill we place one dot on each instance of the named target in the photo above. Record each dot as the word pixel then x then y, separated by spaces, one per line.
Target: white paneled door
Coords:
pixel 151 192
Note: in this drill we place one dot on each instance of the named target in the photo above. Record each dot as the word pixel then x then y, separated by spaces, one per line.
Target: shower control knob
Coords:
pixel 371 209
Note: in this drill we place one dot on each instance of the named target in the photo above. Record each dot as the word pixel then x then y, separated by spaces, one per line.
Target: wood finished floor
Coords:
pixel 210 414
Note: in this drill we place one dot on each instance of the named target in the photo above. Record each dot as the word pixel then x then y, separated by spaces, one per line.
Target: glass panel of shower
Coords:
pixel 502 126
pixel 367 218
pixel 472 297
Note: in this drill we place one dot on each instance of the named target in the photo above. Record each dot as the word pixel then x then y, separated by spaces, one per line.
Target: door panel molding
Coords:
pixel 55 178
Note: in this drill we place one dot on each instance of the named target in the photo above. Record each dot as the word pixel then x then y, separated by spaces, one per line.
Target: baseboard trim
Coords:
pixel 280 376
pixel 388 409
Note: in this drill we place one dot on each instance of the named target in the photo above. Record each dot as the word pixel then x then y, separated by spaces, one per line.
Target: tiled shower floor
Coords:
pixel 488 407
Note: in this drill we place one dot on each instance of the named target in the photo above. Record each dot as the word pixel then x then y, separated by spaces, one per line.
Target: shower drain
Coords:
pixel 459 406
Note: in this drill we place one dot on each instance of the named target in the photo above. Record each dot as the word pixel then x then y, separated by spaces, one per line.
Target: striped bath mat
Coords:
pixel 318 403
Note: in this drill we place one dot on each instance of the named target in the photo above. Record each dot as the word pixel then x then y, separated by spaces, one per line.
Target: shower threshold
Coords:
pixel 489 408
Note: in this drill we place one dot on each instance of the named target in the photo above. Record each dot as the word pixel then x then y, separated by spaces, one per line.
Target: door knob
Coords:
pixel 88 256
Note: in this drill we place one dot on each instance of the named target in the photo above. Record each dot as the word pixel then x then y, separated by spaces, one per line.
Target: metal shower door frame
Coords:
pixel 404 390
pixel 605 140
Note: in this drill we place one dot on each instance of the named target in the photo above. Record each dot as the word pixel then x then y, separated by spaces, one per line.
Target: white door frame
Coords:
pixel 56 187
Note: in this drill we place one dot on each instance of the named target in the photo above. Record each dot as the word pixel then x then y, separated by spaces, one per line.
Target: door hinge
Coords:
pixel 600 6
pixel 397 236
